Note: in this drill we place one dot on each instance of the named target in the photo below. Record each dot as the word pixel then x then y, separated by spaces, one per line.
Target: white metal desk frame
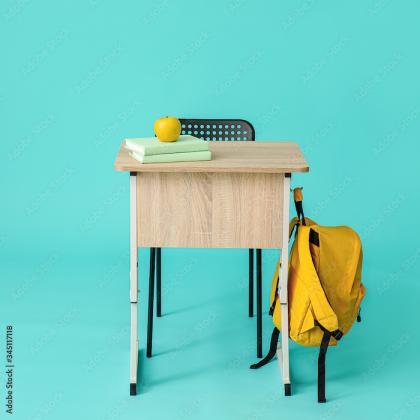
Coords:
pixel 282 352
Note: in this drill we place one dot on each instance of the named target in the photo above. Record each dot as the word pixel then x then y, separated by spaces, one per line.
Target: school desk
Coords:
pixel 239 199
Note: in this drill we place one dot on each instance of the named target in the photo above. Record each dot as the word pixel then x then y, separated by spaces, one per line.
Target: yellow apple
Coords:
pixel 167 128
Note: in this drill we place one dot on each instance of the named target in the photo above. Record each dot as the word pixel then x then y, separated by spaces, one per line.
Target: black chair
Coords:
pixel 211 130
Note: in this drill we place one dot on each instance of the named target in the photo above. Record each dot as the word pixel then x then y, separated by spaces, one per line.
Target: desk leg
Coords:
pixel 283 353
pixel 134 343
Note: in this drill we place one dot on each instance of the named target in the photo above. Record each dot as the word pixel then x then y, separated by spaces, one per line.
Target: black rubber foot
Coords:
pixel 133 389
pixel 287 390
pixel 148 354
pixel 322 401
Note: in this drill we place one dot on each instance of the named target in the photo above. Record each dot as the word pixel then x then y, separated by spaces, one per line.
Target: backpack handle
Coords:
pixel 298 198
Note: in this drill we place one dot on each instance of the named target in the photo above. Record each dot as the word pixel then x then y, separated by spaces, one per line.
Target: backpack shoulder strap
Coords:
pixel 272 352
pixel 325 317
pixel 337 334
pixel 323 312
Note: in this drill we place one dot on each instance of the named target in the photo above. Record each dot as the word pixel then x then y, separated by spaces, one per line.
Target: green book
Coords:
pixel 173 157
pixel 152 146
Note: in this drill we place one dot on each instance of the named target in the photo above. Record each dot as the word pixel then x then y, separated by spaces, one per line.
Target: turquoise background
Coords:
pixel 340 78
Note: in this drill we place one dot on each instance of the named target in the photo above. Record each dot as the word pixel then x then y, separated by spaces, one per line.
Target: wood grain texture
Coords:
pixel 229 156
pixel 210 210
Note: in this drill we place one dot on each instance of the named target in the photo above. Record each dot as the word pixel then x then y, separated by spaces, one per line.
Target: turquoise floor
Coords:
pixel 72 352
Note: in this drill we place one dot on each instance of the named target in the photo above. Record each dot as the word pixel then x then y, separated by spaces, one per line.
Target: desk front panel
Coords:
pixel 210 210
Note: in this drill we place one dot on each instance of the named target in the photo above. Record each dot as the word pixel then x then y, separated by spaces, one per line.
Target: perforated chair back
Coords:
pixel 218 130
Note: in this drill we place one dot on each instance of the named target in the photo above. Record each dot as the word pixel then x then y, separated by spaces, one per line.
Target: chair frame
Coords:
pixel 215 130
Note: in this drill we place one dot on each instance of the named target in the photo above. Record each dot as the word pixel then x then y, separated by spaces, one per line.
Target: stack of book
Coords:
pixel 185 149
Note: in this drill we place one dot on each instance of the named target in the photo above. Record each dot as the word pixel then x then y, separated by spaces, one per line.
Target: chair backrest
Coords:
pixel 218 130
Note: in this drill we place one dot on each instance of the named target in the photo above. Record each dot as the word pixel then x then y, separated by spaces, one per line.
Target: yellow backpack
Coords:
pixel 324 287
